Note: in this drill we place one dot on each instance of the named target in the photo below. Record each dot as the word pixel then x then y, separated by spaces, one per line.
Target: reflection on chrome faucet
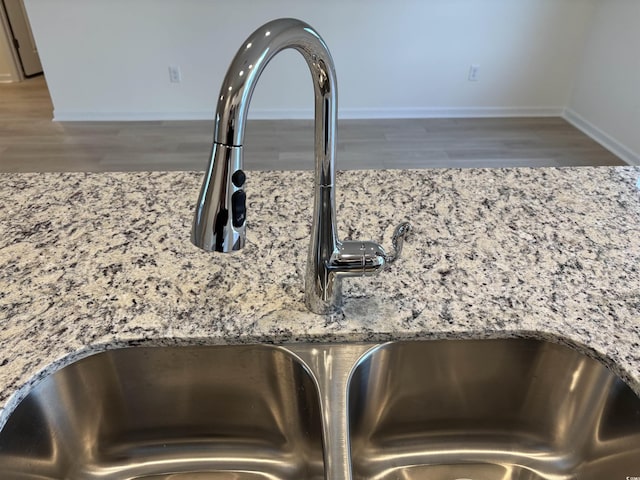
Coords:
pixel 219 222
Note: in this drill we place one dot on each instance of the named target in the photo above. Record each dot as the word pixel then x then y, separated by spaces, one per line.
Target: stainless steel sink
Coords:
pixel 490 410
pixel 433 410
pixel 203 413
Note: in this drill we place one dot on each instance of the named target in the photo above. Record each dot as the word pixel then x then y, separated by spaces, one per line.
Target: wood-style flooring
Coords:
pixel 31 142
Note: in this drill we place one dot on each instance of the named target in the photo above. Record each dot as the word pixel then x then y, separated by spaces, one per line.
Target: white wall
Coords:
pixel 109 58
pixel 606 99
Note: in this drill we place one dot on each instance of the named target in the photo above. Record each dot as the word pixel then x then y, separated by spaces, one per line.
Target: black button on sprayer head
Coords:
pixel 238 178
pixel 239 208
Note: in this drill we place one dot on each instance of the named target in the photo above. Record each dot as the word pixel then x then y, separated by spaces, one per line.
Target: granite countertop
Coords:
pixel 96 261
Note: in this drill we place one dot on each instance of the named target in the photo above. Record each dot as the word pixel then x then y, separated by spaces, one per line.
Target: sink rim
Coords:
pixel 26 386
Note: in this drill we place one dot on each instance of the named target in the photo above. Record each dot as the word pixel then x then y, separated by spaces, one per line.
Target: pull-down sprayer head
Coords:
pixel 219 223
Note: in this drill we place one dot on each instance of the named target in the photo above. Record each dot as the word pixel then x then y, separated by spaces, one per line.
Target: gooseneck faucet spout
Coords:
pixel 219 222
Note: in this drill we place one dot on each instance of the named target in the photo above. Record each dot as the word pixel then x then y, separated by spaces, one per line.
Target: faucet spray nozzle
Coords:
pixel 219 221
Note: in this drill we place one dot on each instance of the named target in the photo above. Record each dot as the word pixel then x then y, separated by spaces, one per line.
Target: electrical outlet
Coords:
pixel 175 76
pixel 474 72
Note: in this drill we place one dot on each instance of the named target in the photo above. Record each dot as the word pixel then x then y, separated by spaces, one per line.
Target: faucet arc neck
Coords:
pixel 249 63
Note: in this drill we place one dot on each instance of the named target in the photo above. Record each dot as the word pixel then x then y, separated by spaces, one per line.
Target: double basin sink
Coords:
pixel 513 409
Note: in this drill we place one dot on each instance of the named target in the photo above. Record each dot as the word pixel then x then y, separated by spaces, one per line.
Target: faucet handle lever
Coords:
pixel 355 257
pixel 397 242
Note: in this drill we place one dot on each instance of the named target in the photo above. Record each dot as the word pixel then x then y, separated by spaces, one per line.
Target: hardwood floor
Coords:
pixel 30 141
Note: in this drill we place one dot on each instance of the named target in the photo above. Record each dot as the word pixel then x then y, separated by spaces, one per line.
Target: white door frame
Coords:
pixel 16 74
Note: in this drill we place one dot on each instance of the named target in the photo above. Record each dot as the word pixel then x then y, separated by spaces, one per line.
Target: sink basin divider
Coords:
pixel 331 367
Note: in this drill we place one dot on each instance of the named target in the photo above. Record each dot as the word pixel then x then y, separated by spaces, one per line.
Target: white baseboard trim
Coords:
pixel 65 116
pixel 436 112
pixel 7 78
pixel 300 114
pixel 603 138
pixel 451 112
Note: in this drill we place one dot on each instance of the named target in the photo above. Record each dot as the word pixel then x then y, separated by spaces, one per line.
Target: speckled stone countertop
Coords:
pixel 96 261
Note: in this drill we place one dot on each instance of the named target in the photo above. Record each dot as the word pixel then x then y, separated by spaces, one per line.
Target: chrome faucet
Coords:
pixel 219 222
